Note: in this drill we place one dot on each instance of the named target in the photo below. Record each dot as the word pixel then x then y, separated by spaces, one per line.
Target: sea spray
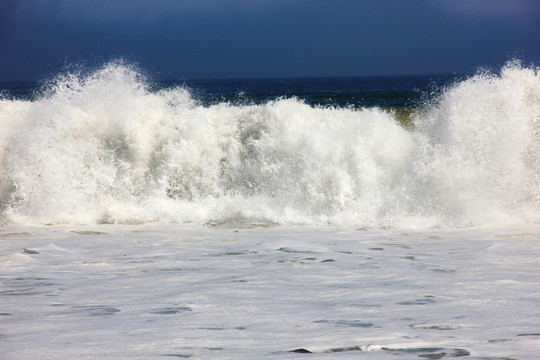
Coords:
pixel 479 148
pixel 104 147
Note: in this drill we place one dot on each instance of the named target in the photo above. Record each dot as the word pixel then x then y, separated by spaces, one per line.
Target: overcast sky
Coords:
pixel 186 39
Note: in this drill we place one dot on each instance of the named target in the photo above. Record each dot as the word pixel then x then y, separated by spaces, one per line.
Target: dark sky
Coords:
pixel 184 39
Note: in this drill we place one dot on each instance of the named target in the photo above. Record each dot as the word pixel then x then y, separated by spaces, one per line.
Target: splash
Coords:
pixel 105 148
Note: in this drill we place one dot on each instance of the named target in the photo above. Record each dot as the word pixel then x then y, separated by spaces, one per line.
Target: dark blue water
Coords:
pixel 387 91
pixel 376 91
pixel 21 90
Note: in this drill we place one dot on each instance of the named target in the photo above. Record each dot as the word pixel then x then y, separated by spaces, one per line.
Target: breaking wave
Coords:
pixel 106 148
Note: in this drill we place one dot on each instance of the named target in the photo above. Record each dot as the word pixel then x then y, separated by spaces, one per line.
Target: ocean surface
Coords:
pixel 356 92
pixel 332 218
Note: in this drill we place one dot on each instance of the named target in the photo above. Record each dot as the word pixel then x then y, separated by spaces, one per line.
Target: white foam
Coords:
pixel 104 148
pixel 183 290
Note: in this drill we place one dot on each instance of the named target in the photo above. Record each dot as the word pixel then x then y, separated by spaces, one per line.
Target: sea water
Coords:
pixel 326 218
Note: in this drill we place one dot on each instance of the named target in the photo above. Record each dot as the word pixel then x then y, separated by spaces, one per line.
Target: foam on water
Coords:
pixel 103 147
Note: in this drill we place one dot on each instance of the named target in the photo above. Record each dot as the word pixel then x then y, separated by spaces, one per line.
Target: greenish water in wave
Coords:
pixel 405 116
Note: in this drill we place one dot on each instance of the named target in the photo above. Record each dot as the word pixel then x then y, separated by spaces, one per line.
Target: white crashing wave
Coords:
pixel 104 148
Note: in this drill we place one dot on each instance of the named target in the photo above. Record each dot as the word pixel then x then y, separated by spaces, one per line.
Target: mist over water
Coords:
pixel 106 148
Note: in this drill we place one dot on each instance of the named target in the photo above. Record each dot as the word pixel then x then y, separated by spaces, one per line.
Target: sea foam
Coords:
pixel 106 148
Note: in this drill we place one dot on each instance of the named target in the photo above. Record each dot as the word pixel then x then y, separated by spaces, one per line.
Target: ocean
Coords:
pixel 361 217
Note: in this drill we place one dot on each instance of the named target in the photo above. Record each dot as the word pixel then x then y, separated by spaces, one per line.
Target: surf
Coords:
pixel 106 147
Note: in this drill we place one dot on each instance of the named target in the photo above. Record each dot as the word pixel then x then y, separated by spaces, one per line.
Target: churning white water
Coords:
pixel 104 148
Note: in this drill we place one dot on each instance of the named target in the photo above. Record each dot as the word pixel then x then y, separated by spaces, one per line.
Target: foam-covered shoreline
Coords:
pixel 180 290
